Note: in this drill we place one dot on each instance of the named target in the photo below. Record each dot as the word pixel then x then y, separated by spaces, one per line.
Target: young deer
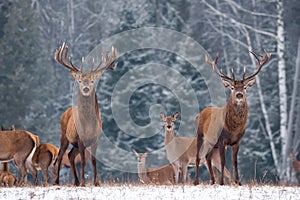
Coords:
pixel 295 165
pixel 81 125
pixel 161 175
pixel 225 126
pixel 44 158
pixel 181 151
pixel 7 179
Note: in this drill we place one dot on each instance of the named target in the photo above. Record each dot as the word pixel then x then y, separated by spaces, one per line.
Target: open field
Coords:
pixel 128 191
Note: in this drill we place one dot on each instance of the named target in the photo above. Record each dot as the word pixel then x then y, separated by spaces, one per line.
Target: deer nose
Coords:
pixel 169 126
pixel 86 90
pixel 239 95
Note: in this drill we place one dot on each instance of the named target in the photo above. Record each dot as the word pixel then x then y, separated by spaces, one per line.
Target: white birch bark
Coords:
pixel 263 106
pixel 71 23
pixel 282 89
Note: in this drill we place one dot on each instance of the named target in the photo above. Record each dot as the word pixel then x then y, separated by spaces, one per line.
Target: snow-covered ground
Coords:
pixel 131 192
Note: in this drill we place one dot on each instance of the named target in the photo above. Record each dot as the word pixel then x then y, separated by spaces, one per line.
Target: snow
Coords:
pixel 131 192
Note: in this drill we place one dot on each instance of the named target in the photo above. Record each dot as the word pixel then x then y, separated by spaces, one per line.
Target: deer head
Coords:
pixel 238 87
pixel 169 121
pixel 141 156
pixel 86 80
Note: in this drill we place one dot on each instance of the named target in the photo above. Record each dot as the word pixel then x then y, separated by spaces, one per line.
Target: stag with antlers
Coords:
pixel 81 125
pixel 225 126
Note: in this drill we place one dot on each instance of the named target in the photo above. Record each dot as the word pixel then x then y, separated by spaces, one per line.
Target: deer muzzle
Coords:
pixel 86 90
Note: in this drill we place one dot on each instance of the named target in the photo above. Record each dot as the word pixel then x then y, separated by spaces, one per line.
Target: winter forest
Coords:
pixel 35 90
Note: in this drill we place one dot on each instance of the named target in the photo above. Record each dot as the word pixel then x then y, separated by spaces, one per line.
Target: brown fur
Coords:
pixel 181 151
pixel 225 126
pixel 44 158
pixel 66 162
pixel 81 125
pixel 18 146
pixel 7 179
pixel 158 176
pixel 295 165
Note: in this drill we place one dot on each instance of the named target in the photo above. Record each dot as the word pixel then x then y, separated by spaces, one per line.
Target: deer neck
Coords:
pixel 236 115
pixel 88 119
pixel 87 106
pixel 169 136
pixel 142 171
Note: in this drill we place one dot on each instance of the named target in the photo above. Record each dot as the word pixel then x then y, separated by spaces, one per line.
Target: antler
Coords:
pixel 59 54
pixel 216 70
pixel 109 61
pixel 261 62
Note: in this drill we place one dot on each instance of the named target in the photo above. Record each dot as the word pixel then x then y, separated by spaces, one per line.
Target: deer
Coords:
pixel 81 125
pixel 181 151
pixel 295 165
pixel 7 179
pixel 159 176
pixel 29 165
pixel 19 146
pixel 66 162
pixel 219 127
pixel 44 158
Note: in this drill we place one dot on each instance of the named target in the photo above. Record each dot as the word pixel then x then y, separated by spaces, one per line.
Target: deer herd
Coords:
pixel 81 125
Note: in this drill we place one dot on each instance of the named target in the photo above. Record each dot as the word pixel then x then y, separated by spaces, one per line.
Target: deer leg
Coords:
pixel 94 163
pixel 64 143
pixel 228 175
pixel 184 173
pixel 82 156
pixel 176 171
pixel 199 144
pixel 72 154
pixel 33 171
pixel 222 158
pixel 23 172
pixel 46 176
pixel 235 149
pixel 215 171
pixel 209 166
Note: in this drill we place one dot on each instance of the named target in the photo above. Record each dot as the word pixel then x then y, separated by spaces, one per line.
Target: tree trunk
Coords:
pixel 71 23
pixel 282 90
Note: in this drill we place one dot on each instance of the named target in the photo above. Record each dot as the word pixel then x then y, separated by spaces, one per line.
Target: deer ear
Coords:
pixel 75 75
pixel 227 84
pixel 249 83
pixel 134 151
pixel 176 115
pixel 162 116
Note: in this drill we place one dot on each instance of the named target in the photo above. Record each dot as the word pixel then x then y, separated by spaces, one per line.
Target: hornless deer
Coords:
pixel 81 125
pixel 19 146
pixel 295 165
pixel 181 151
pixel 160 175
pixel 7 179
pixel 44 158
pixel 225 126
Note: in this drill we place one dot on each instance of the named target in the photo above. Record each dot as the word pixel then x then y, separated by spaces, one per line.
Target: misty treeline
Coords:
pixel 35 90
